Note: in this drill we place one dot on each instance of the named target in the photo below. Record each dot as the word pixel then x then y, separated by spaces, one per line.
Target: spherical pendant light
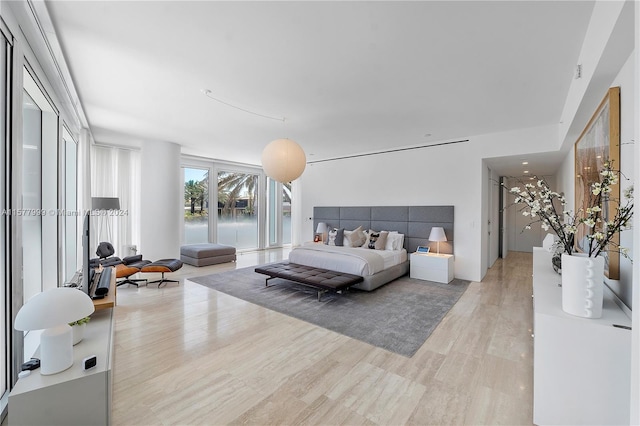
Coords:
pixel 283 160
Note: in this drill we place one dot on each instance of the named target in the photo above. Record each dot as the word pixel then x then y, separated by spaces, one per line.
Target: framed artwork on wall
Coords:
pixel 598 143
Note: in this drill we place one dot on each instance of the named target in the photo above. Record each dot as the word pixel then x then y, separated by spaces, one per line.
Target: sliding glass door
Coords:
pixel 278 213
pixel 272 213
pixel 196 205
pixel 252 211
pixel 237 223
pixel 286 213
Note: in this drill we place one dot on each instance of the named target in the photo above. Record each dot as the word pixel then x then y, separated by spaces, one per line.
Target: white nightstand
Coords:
pixel 432 267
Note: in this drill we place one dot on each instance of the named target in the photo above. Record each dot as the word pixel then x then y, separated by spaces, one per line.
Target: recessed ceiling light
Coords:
pixel 524 163
pixel 526 171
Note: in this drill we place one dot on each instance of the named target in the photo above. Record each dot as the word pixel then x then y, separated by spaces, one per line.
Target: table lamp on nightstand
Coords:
pixel 437 234
pixel 53 310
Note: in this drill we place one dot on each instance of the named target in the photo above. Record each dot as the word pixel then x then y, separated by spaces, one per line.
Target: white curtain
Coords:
pixel 115 172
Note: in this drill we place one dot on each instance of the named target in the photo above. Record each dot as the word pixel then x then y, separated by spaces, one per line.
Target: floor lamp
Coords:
pixel 104 204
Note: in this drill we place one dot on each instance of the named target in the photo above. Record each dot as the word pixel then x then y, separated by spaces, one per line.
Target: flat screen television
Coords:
pixel 86 254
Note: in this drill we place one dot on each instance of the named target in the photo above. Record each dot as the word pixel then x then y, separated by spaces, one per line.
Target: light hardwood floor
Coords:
pixel 186 354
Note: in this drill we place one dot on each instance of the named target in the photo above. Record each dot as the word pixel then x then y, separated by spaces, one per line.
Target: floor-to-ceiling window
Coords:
pixel 70 216
pixel 37 175
pixel 5 331
pixel 237 223
pixel 286 213
pixel 252 211
pixel 278 213
pixel 273 212
pixel 39 189
pixel 196 205
pixel 31 196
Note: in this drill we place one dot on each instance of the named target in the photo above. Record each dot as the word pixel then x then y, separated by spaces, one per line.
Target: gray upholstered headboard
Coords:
pixel 415 222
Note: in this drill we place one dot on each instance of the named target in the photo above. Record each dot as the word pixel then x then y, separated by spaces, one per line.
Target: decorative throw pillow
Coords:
pixel 395 241
pixel 346 242
pixel 357 237
pixel 381 242
pixel 326 241
pixel 365 244
pixel 373 237
pixel 398 242
pixel 336 237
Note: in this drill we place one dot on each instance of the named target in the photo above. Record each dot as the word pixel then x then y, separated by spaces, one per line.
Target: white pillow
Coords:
pixel 366 241
pixel 395 241
pixel 346 242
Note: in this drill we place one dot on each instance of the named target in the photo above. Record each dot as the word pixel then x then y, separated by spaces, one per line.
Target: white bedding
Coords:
pixel 350 260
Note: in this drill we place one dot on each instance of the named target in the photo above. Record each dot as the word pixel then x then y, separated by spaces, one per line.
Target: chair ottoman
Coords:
pixel 207 254
pixel 163 266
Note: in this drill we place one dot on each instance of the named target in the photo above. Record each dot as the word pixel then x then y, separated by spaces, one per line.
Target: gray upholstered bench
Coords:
pixel 322 279
pixel 207 254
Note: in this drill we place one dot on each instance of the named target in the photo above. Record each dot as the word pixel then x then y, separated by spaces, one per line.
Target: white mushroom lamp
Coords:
pixel 53 310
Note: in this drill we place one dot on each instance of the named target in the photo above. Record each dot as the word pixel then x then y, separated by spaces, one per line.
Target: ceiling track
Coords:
pixel 388 151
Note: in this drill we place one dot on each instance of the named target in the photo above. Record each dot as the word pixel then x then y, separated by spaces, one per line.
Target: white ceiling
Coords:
pixel 350 77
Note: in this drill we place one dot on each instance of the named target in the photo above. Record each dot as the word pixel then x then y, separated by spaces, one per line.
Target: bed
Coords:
pixel 377 267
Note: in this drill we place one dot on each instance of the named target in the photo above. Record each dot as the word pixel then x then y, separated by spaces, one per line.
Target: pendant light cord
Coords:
pixel 207 93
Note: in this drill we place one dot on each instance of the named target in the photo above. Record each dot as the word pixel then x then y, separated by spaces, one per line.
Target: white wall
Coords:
pixel 627 79
pixel 607 44
pixel 507 223
pixel 160 201
pixel 438 175
pixel 628 114
pixel 494 217
pixel 565 175
pixel 635 334
pixel 521 239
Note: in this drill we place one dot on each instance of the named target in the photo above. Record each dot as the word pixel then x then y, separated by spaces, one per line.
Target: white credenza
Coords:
pixel 73 396
pixel 431 267
pixel 582 367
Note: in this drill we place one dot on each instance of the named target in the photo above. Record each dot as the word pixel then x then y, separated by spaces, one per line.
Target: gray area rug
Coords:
pixel 398 316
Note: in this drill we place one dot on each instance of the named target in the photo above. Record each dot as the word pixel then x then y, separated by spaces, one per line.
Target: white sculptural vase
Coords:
pixel 582 285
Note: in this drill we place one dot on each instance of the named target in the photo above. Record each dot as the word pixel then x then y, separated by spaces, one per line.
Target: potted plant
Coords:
pixel 543 205
pixel 78 329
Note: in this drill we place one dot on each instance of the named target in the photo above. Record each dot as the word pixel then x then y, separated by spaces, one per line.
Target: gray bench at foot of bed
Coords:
pixel 322 279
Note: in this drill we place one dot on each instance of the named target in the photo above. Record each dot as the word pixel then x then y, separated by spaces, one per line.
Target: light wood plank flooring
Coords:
pixel 186 354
